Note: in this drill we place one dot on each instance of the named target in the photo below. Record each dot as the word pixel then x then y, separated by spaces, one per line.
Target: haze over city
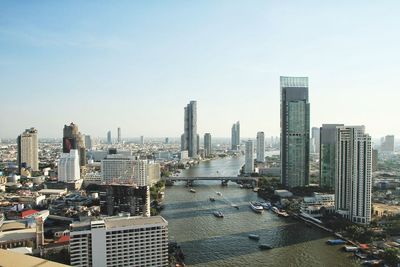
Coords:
pixel 135 65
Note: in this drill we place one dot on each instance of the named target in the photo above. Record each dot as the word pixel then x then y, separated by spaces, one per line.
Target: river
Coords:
pixel 210 241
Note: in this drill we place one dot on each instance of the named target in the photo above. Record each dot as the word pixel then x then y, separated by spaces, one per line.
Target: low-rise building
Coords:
pixel 315 205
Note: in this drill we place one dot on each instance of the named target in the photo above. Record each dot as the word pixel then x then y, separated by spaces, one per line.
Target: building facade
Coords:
pixel 109 139
pixel 260 147
pixel 387 145
pixel 295 131
pixel 315 140
pixel 119 140
pixel 235 136
pixel 73 139
pixel 353 174
pixel 207 145
pixel 189 138
pixel 68 167
pixel 327 155
pixel 249 157
pixel 27 144
pixel 118 169
pixel 120 241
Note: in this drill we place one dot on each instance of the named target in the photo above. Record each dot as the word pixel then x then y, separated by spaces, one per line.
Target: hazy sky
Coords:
pixel 136 64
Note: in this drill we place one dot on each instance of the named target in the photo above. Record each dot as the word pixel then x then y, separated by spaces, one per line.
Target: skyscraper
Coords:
pixel 109 140
pixel 142 140
pixel 315 139
pixel 207 145
pixel 327 155
pixel 353 174
pixel 119 135
pixel 235 136
pixel 28 149
pixel 73 139
pixel 295 131
pixel 68 167
pixel 88 142
pixel 388 144
pixel 249 157
pixel 260 147
pixel 189 138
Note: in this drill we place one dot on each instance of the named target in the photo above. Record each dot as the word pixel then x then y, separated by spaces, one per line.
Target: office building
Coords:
pixel 260 147
pixel 109 140
pixel 88 142
pixel 73 139
pixel 120 241
pixel 28 149
pixel 387 145
pixel 315 140
pixel 189 138
pixel 235 136
pixel 68 167
pixel 353 174
pixel 207 145
pixel 119 135
pixel 295 131
pixel 327 155
pixel 166 140
pixel 142 140
pixel 249 157
pixel 118 169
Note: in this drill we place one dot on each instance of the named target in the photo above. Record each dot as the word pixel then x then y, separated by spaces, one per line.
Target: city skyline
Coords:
pixel 103 52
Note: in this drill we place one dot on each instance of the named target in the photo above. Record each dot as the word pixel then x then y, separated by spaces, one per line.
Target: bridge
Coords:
pixel 224 179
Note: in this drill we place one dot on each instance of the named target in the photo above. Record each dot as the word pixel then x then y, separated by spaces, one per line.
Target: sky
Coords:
pixel 136 64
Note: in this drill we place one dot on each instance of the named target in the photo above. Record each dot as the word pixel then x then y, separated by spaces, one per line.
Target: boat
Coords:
pixel 219 193
pixel 350 248
pixel 280 213
pixel 254 237
pixel 235 206
pixel 192 190
pixel 218 214
pixel 265 205
pixel 333 242
pixel 255 189
pixel 255 207
pixel 265 246
pixel 212 199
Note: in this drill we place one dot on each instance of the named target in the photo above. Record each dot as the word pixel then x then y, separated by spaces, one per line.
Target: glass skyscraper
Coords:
pixel 295 131
pixel 189 139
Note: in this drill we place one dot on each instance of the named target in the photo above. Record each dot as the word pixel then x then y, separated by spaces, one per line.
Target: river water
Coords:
pixel 210 241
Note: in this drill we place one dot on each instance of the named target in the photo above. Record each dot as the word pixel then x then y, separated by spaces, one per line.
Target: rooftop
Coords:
pixel 11 259
pixel 113 222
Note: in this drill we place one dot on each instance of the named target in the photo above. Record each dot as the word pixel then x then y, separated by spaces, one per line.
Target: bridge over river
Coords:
pixel 224 179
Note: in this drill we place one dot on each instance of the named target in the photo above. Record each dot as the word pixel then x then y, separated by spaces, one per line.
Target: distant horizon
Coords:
pixel 135 65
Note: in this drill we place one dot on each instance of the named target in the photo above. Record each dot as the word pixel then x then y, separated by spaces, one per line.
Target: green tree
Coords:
pixel 391 256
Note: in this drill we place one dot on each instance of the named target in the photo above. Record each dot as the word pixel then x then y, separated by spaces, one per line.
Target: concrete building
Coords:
pixel 249 157
pixel 295 131
pixel 374 160
pixel 260 147
pixel 109 139
pixel 28 149
pixel 118 169
pixel 387 145
pixel 68 167
pixel 235 136
pixel 120 241
pixel 73 139
pixel 154 173
pixel 189 138
pixel 315 140
pixel 141 175
pixel 141 141
pixel 207 145
pixel 119 140
pixel 327 155
pixel 353 174
pixel 313 205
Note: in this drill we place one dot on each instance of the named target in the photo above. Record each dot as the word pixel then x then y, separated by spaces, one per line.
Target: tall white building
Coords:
pixel 249 157
pixel 141 177
pixel 353 174
pixel 117 168
pixel 68 167
pixel 260 147
pixel 28 149
pixel 120 241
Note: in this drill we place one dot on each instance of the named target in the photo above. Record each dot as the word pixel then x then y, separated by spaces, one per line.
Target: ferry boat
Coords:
pixel 254 237
pixel 219 193
pixel 350 248
pixel 192 190
pixel 235 206
pixel 256 207
pixel 212 199
pixel 218 214
pixel 265 246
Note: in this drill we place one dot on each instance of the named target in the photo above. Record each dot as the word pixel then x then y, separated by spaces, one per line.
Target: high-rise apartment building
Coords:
pixel 141 175
pixel 68 167
pixel 28 149
pixel 109 140
pixel 295 131
pixel 249 157
pixel 189 138
pixel 120 241
pixel 235 136
pixel 207 145
pixel 388 144
pixel 353 174
pixel 117 168
pixel 73 139
pixel 260 147
pixel 119 140
pixel 327 155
